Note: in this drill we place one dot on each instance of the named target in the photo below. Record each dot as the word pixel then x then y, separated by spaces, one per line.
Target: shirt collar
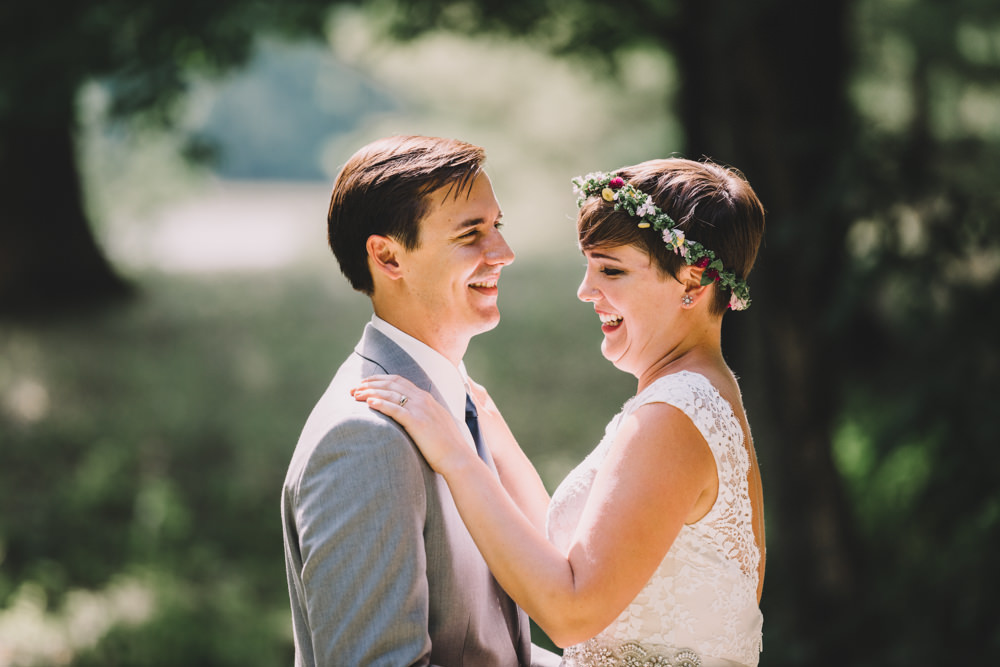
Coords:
pixel 449 379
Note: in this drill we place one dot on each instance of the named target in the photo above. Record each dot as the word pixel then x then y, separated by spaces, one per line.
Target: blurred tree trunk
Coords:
pixel 49 259
pixel 764 89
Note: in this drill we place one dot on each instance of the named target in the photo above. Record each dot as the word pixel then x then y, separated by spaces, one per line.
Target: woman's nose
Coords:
pixel 585 292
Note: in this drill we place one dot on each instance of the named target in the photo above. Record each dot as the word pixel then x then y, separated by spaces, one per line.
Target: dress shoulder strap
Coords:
pixel 696 397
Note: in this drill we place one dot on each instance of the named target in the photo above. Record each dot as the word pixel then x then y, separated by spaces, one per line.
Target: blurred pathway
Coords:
pixel 232 226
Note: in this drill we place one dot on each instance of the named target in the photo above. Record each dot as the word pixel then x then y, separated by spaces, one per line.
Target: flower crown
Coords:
pixel 613 188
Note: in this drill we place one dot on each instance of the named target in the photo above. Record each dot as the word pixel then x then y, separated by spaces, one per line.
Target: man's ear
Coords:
pixel 383 255
pixel 690 276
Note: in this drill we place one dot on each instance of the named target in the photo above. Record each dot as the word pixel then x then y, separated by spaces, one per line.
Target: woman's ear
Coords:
pixel 694 290
pixel 383 256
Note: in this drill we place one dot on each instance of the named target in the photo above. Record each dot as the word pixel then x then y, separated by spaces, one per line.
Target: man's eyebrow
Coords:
pixel 466 224
pixel 475 222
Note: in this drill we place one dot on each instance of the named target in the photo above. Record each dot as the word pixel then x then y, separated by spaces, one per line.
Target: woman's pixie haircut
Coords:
pixel 711 204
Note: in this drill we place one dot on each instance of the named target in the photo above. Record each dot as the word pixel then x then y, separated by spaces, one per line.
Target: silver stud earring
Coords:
pixel 687 299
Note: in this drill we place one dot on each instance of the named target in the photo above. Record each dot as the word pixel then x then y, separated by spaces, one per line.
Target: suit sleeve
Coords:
pixel 359 511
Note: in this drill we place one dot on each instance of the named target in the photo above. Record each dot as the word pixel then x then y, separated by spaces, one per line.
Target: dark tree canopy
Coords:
pixel 145 53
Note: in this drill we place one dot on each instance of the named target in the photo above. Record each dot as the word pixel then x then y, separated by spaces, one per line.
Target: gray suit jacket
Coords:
pixel 381 569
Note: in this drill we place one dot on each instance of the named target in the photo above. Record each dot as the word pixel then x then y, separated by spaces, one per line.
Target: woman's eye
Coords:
pixel 611 272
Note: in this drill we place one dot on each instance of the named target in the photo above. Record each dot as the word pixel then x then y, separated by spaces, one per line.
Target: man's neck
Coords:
pixel 448 377
pixel 453 350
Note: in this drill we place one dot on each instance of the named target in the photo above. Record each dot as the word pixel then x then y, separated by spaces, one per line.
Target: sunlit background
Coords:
pixel 144 435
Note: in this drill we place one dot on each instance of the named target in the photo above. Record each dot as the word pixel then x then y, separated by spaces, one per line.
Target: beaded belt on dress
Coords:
pixel 629 654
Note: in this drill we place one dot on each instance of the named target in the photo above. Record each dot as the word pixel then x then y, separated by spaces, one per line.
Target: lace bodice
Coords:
pixel 703 595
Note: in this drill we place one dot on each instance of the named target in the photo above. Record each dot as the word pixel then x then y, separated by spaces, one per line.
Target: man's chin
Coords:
pixel 488 322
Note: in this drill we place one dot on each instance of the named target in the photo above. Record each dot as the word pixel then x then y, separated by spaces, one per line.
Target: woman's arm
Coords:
pixel 517 474
pixel 658 475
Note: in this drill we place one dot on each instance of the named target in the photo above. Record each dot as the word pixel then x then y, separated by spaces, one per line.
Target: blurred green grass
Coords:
pixel 146 447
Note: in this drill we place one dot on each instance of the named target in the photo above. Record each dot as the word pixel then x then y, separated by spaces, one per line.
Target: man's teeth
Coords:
pixel 485 283
pixel 613 320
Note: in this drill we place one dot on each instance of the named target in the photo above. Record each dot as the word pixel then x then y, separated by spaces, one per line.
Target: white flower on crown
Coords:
pixel 647 208
pixel 579 182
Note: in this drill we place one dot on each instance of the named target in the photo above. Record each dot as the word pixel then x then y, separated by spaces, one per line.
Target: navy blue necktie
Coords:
pixel 472 421
pixel 511 613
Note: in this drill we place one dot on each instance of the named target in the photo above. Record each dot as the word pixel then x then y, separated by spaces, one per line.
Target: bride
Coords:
pixel 651 552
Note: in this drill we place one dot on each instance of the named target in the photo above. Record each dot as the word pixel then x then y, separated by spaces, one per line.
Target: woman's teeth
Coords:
pixel 610 320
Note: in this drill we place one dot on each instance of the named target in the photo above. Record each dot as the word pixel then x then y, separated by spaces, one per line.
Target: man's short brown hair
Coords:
pixel 383 188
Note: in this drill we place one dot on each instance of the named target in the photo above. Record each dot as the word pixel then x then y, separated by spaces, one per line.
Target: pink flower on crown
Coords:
pixel 616 182
pixel 702 263
pixel 712 273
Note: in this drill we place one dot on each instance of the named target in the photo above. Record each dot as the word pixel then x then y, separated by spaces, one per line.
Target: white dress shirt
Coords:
pixel 449 379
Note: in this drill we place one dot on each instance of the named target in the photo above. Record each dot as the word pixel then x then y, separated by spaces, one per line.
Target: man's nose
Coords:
pixel 499 253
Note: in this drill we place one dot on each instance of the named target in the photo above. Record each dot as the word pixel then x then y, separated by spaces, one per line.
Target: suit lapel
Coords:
pixel 387 357
pixel 390 358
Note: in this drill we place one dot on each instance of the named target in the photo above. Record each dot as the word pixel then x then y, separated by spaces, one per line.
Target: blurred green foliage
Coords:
pixel 869 361
pixel 160 445
pixel 141 448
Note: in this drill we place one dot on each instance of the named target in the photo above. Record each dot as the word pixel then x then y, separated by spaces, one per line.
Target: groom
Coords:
pixel 381 569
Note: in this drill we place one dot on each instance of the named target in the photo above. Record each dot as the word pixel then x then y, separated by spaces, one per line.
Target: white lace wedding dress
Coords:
pixel 700 606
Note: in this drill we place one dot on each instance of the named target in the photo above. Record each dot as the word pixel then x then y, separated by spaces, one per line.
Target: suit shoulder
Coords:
pixel 351 440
